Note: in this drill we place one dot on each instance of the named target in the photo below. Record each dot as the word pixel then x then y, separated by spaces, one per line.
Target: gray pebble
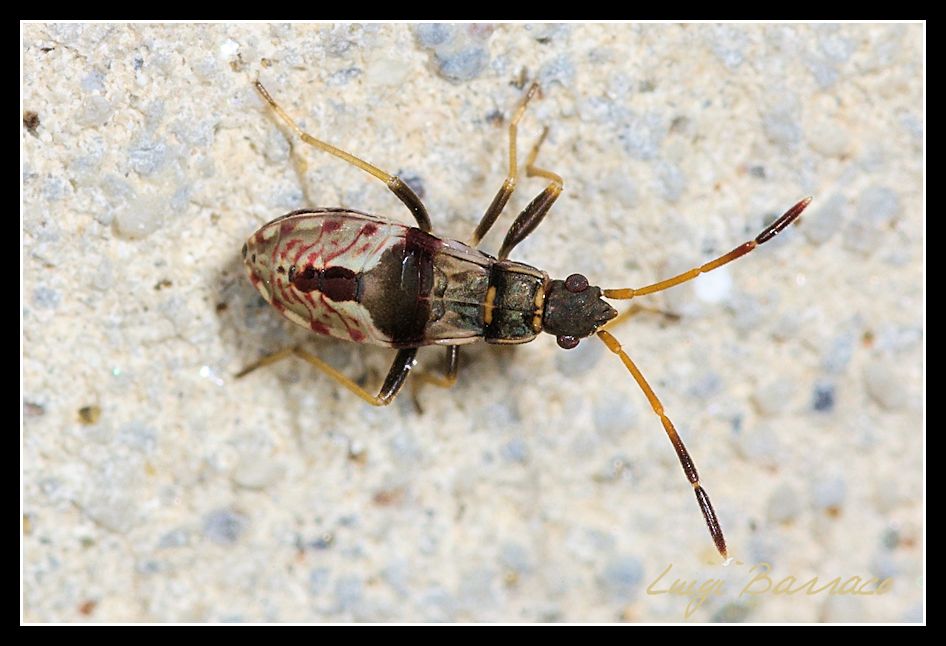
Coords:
pixel 224 526
pixel 175 538
pixel 672 181
pixel 784 504
pixel 94 81
pixel 781 127
pixel 878 205
pixel 147 157
pixel 876 209
pixel 825 220
pixel 46 298
pixel 558 70
pixel 54 188
pixel 342 77
pixel 774 397
pixel 733 612
pixel 140 218
pixel 515 450
pixel 828 493
pixel 138 436
pixel 348 593
pixel 431 35
pixel 728 44
pixel 643 135
pixel 822 399
pixel 579 360
pixel 759 445
pixel 621 578
pixel 840 350
pixel 514 556
pixel 884 566
pixel 318 580
pixel 613 414
pixel 463 64
pixel 94 112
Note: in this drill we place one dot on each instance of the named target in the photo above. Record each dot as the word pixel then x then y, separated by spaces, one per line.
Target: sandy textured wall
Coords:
pixel 541 488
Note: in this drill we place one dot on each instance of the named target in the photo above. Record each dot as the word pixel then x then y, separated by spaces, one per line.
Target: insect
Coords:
pixel 369 279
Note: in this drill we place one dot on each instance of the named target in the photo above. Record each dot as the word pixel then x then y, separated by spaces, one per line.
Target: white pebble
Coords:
pixel 774 397
pixel 714 287
pixel 883 385
pixel 828 493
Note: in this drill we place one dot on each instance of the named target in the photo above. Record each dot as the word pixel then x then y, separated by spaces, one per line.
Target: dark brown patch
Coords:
pixel 31 121
pixel 161 284
pixel 397 290
pixel 307 280
pixel 280 270
pixel 370 229
pixel 339 284
pixel 88 607
pixel 331 225
pixel 221 307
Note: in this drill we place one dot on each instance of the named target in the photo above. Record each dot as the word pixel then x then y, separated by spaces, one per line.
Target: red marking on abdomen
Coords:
pixel 370 229
pixel 318 328
pixel 331 225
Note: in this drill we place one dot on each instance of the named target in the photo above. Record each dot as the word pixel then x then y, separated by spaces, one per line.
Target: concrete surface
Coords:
pixel 156 487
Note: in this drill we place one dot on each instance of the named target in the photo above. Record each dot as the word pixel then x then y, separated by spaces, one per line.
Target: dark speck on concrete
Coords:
pixel 757 171
pixel 823 397
pixel 30 121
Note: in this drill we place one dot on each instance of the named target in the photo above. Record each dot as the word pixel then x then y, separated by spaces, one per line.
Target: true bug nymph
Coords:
pixel 368 279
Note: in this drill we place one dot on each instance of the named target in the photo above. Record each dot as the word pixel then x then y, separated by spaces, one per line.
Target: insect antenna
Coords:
pixel 767 234
pixel 712 522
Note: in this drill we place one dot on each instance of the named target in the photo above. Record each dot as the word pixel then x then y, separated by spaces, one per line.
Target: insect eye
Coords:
pixel 567 341
pixel 576 283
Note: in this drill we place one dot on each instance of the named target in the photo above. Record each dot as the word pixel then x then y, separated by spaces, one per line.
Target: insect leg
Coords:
pixel 394 183
pixel 712 522
pixel 767 234
pixel 400 368
pixel 449 377
pixel 509 184
pixel 447 380
pixel 532 215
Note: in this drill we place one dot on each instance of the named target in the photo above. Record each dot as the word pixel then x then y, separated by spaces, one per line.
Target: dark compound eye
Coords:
pixel 576 283
pixel 567 342
pixel 244 250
